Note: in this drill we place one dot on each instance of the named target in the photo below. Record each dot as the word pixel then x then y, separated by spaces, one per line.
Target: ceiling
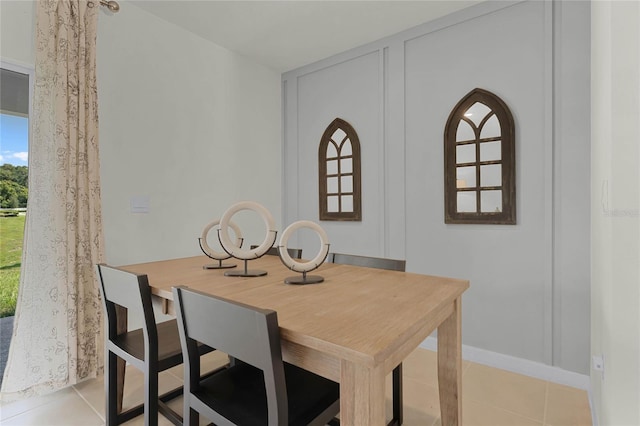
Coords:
pixel 285 35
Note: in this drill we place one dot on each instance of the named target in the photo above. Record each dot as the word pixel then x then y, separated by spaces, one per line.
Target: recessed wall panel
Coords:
pixel 502 52
pixel 349 90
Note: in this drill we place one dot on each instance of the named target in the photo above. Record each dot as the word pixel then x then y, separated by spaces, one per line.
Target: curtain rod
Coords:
pixel 111 5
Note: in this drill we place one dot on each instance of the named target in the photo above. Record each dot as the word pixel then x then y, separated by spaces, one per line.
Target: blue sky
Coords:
pixel 14 131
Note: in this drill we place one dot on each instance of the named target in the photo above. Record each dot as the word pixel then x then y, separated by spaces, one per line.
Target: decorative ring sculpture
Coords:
pixel 218 255
pixel 244 254
pixel 303 267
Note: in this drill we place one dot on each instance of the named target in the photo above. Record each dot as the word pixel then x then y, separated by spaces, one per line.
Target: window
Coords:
pixel 479 150
pixel 15 89
pixel 339 168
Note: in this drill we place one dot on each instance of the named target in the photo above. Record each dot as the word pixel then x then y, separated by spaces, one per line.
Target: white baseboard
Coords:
pixel 518 365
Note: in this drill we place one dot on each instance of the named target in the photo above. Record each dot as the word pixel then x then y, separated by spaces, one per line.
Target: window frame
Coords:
pixel 324 214
pixel 507 216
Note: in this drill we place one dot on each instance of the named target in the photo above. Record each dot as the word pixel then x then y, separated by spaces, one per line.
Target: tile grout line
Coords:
pixel 174 375
pixel 464 371
pixel 4 420
pixel 29 408
pixel 546 384
pixel 541 422
pixel 435 421
pixel 88 403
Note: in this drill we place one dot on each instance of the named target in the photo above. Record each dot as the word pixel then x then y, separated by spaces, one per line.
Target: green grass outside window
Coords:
pixel 11 238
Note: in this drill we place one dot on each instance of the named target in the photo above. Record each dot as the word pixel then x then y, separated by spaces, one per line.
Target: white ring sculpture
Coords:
pixel 237 252
pixel 218 255
pixel 303 267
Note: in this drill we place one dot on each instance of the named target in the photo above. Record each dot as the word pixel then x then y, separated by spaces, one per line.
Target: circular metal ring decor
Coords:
pixel 218 255
pixel 303 267
pixel 244 254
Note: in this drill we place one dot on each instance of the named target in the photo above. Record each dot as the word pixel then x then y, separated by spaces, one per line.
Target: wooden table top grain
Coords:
pixel 357 320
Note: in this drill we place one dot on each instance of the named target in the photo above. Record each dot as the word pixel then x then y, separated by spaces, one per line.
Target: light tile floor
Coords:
pixel 490 397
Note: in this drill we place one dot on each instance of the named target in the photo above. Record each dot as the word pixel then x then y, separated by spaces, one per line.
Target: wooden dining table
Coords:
pixel 354 328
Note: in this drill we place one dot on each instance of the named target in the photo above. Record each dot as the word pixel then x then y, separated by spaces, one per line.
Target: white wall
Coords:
pixel 529 294
pixel 615 183
pixel 190 125
pixel 17 20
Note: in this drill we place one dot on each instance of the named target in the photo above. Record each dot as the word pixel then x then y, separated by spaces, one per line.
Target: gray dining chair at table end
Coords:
pixel 393 265
pixel 151 349
pixel 259 388
pixel 273 251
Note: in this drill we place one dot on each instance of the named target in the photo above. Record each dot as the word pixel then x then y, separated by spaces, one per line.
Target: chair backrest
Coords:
pixel 293 252
pixel 244 332
pixel 367 261
pixel 129 291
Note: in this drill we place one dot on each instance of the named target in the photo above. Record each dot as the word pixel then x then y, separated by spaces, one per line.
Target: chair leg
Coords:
pixel 151 398
pixel 191 416
pixel 186 410
pixel 111 389
pixel 397 396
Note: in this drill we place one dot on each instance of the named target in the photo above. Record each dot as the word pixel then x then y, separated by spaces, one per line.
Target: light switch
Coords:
pixel 140 204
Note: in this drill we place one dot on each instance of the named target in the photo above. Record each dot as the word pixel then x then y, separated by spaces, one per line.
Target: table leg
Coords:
pixel 450 367
pixel 362 397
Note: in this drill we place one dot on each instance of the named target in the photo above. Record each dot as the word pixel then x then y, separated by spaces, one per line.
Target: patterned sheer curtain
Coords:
pixel 57 336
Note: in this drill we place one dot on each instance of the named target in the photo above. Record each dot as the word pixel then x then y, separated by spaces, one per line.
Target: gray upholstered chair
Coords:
pixel 367 261
pixel 151 349
pixel 293 252
pixel 259 388
pixel 379 263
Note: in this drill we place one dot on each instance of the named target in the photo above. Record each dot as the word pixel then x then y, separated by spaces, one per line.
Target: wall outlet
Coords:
pixel 598 364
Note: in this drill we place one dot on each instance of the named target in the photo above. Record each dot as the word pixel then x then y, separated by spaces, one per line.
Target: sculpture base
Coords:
pixel 304 279
pixel 219 266
pixel 246 273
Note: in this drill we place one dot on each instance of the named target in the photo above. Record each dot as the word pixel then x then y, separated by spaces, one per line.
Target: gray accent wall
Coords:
pixel 529 294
